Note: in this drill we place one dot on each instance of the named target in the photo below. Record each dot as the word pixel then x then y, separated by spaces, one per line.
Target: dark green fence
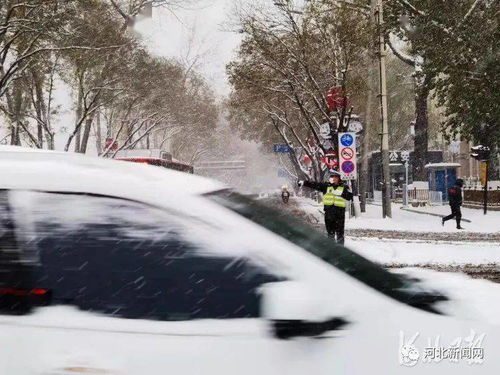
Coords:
pixel 476 197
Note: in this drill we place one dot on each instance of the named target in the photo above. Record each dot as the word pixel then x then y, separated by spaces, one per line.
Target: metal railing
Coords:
pixel 420 196
pixel 221 165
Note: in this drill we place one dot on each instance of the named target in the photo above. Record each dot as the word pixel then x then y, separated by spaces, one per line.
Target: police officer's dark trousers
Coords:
pixel 335 222
pixel 455 213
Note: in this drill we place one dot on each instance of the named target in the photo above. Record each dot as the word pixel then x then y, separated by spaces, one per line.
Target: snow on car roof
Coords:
pixel 24 168
pixel 4 148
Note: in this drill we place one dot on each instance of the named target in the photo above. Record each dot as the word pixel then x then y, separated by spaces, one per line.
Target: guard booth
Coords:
pixel 397 168
pixel 442 176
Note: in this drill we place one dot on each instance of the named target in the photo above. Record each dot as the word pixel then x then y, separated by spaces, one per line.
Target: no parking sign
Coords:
pixel 347 155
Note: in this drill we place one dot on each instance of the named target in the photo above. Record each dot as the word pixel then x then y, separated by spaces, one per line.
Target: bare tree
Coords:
pixel 287 63
pixel 119 89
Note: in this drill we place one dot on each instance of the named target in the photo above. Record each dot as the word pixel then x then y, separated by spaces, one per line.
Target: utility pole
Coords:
pixel 377 7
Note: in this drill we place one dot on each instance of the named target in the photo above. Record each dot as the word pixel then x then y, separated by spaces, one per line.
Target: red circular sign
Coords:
pixel 330 160
pixel 347 153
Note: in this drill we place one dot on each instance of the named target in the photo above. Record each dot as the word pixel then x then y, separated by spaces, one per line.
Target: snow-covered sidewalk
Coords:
pixel 426 243
pixel 399 252
pixel 410 221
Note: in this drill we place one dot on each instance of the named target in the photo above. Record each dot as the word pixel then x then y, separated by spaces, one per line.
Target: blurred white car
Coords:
pixel 109 267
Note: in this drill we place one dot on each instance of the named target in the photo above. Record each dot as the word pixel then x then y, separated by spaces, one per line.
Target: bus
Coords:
pixel 176 165
pixel 154 157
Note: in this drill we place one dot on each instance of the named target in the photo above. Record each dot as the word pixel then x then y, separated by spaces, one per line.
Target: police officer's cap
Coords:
pixel 335 174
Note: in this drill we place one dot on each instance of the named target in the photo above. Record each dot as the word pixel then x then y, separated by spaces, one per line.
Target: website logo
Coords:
pixel 468 349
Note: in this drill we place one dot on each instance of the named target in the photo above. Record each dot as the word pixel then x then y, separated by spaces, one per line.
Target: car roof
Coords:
pixel 32 169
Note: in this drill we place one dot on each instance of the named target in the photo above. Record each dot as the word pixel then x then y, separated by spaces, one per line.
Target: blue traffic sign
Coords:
pixel 346 140
pixel 348 166
pixel 282 148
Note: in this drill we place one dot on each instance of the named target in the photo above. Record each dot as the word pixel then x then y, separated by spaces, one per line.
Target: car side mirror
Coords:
pixel 298 309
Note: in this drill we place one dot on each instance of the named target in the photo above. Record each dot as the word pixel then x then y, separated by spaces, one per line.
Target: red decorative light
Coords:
pixel 38 292
pixel 12 291
pixel 7 291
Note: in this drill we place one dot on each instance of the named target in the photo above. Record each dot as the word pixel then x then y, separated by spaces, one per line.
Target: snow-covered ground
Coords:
pixel 409 221
pixel 425 251
pixel 395 252
pixel 414 252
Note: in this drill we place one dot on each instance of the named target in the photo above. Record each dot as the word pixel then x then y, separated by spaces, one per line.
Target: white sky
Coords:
pixel 168 35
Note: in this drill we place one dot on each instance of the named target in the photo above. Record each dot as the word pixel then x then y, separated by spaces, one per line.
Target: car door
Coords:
pixel 124 288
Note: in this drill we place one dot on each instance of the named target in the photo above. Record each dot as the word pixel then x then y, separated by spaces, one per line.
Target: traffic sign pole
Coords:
pixel 347 155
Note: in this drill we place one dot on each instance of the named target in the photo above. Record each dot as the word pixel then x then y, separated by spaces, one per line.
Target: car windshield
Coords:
pixel 395 286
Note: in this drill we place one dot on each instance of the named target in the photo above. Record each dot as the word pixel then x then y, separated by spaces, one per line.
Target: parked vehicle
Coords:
pixel 115 268
pixel 175 165
pixel 158 158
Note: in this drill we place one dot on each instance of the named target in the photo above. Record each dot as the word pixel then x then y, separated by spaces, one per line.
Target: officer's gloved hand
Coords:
pixel 300 182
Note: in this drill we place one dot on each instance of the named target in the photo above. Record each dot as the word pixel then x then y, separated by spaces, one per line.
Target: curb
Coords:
pixel 480 207
pixel 429 213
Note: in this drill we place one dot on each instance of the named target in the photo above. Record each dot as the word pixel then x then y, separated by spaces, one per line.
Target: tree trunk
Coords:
pixel 79 112
pixel 42 113
pixel 15 104
pixel 98 132
pixel 420 154
pixel 39 108
pixel 494 163
pixel 39 134
pixel 15 139
pixel 86 135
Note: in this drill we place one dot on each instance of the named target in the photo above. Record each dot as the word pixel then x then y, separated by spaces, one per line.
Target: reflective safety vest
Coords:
pixel 333 197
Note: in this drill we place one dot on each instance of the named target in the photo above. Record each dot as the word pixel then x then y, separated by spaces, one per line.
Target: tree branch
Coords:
pixel 401 55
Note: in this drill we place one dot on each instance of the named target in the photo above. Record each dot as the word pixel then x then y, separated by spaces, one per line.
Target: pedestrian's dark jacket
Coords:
pixel 455 195
pixel 322 186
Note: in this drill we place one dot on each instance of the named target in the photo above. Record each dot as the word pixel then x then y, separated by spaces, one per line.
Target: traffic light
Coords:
pixel 481 153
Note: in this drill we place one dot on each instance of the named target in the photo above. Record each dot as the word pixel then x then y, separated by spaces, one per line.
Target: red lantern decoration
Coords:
pixel 336 99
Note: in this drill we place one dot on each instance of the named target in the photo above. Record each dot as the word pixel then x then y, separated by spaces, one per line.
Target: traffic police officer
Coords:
pixel 335 197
